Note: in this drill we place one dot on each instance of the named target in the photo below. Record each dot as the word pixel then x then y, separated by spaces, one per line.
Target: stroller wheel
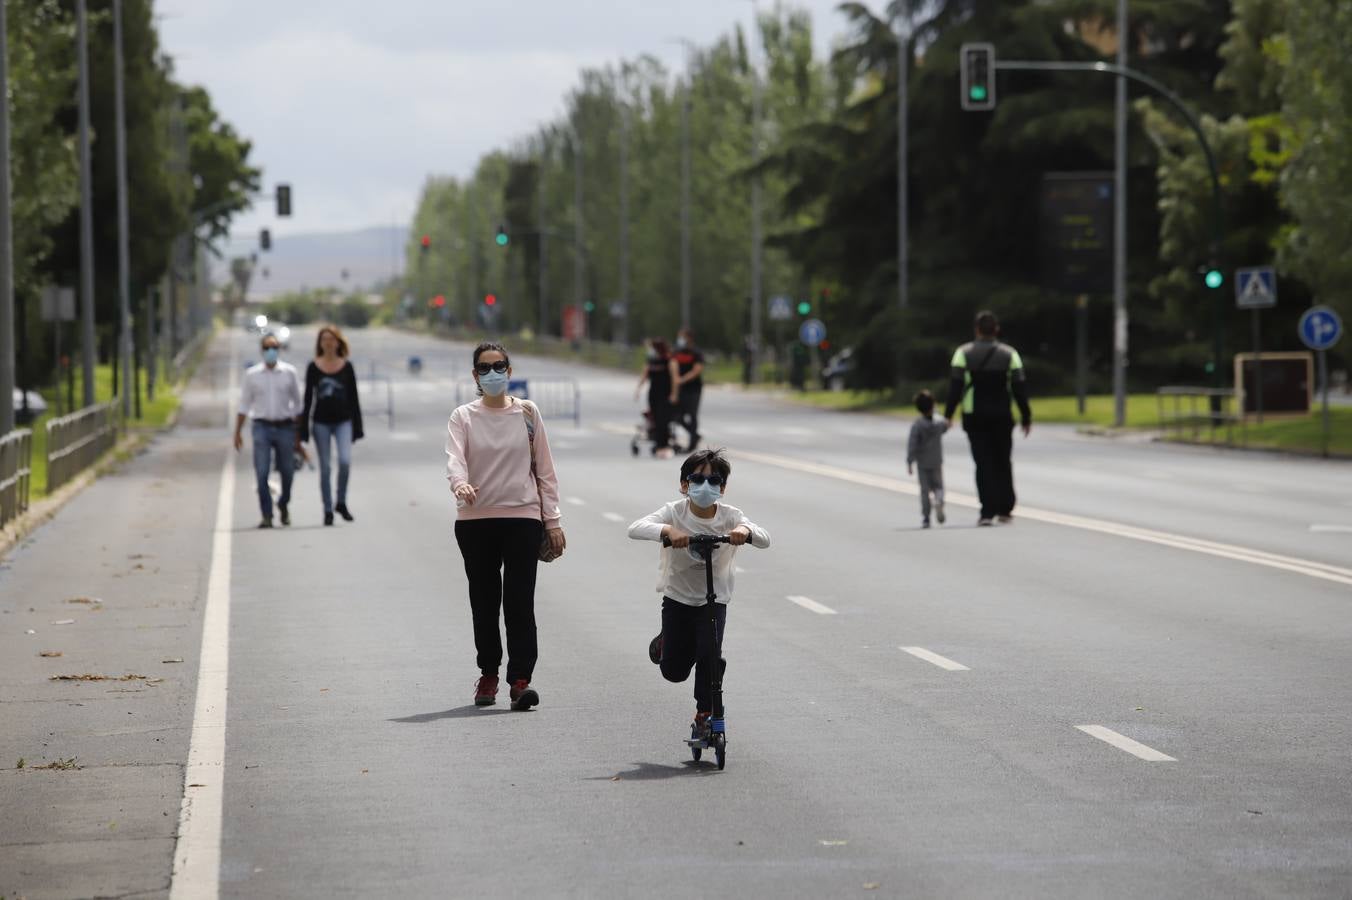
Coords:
pixel 633 447
pixel 696 753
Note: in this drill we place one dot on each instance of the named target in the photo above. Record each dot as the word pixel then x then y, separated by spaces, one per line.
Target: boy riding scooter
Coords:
pixel 692 632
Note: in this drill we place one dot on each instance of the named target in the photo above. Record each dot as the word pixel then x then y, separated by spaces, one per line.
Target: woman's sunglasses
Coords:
pixel 715 480
pixel 484 368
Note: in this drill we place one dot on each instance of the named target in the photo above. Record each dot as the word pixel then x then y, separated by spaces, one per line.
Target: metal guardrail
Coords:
pixel 76 441
pixel 16 457
pixel 184 356
pixel 554 397
pixel 388 411
pixel 1197 410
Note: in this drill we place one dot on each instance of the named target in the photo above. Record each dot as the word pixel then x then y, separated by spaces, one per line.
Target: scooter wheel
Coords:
pixel 721 756
pixel 696 753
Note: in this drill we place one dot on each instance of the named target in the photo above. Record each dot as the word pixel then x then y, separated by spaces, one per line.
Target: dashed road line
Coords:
pixel 1331 529
pixel 1122 742
pixel 577 501
pixel 808 603
pixel 930 656
pixel 612 517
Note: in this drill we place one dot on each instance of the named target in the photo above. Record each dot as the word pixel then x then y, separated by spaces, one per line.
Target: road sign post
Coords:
pixel 812 332
pixel 1320 328
pixel 1255 289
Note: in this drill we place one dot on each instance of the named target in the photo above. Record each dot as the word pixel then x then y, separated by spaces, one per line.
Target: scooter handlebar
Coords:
pixel 703 539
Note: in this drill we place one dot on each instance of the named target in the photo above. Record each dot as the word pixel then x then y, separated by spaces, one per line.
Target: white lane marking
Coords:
pixel 1122 742
pixel 197 856
pixel 930 656
pixel 404 436
pixel 612 517
pixel 1310 568
pixel 810 604
pixel 1331 529
pixel 577 501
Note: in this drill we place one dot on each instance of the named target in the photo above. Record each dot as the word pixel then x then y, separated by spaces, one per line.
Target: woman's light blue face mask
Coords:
pixel 493 384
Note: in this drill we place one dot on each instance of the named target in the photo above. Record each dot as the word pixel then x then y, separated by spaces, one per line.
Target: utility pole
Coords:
pixel 685 199
pixel 542 323
pixel 756 236
pixel 6 246
pixel 903 150
pixel 1120 230
pixel 86 208
pixel 623 334
pixel 577 220
pixel 123 218
pixel 7 331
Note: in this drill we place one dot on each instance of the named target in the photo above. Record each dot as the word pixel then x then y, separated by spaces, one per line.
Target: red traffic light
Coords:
pixel 426 241
pixel 490 299
pixel 825 345
pixel 438 300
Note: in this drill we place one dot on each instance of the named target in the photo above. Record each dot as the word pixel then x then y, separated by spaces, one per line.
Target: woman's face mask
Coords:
pixel 493 384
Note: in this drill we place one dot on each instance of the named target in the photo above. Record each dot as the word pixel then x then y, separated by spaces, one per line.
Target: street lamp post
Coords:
pixel 756 234
pixel 86 207
pixel 623 331
pixel 6 247
pixel 123 217
pixel 1120 229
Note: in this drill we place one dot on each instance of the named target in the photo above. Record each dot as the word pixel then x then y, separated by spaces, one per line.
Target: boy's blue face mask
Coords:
pixel 704 495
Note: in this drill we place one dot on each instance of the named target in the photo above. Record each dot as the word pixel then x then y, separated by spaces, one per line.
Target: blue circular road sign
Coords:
pixel 1320 328
pixel 812 332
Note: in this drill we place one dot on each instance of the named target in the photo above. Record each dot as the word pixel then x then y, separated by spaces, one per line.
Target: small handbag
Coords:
pixel 547 553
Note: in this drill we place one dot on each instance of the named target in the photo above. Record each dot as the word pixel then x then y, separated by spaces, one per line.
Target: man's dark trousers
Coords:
pixel 992 443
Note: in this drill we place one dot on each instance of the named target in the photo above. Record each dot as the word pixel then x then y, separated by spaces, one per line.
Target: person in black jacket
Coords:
pixel 984 375
pixel 333 411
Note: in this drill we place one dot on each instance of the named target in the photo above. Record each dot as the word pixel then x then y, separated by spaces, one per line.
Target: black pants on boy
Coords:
pixel 992 444
pixel 685 645
pixel 501 556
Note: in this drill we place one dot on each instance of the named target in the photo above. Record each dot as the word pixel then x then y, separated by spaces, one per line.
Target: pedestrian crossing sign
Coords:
pixel 1256 288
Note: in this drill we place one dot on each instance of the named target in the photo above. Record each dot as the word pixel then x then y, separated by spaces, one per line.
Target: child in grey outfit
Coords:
pixel 925 450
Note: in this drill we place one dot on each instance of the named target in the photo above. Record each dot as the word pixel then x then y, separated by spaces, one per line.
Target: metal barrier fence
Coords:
pixel 76 441
pixel 554 397
pixel 16 457
pixel 388 412
pixel 1198 410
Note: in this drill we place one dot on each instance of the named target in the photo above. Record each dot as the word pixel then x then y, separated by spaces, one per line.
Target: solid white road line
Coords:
pixel 1307 567
pixel 404 436
pixel 813 605
pixel 1331 529
pixel 1122 742
pixel 929 656
pixel 612 517
pixel 197 855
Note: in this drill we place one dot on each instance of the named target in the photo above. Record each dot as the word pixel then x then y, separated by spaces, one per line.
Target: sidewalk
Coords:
pixel 100 620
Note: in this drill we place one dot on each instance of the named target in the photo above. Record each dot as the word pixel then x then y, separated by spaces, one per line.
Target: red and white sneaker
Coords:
pixel 486 690
pixel 523 696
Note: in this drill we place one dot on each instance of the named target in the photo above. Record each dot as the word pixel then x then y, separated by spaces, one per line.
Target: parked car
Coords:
pixel 838 369
pixel 36 406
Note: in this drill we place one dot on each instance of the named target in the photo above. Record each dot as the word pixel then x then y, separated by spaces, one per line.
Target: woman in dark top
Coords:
pixel 659 373
pixel 331 402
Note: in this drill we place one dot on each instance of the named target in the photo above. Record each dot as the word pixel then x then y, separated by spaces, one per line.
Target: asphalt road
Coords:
pixel 1150 601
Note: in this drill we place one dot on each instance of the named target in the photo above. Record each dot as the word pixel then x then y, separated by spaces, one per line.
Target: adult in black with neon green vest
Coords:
pixel 985 374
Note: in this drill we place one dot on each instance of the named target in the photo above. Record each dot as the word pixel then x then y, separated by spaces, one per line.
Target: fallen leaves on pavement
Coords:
pixel 50 654
pixel 89 677
pixel 87 601
pixel 61 765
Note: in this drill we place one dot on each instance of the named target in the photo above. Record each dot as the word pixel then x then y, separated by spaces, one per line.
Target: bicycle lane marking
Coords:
pixel 197 855
pixel 930 656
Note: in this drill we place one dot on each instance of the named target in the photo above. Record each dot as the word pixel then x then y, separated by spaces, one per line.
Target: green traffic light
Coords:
pixel 1214 279
pixel 502 239
pixel 589 306
pixel 977 92
pixel 804 307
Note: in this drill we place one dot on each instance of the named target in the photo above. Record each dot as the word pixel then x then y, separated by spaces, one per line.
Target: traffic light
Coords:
pixel 283 199
pixel 1214 278
pixel 503 239
pixel 426 244
pixel 804 307
pixel 490 299
pixel 265 239
pixel 589 306
pixel 977 71
pixel 439 301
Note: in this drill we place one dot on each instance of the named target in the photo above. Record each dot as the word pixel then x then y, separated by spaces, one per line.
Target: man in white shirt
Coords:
pixel 271 397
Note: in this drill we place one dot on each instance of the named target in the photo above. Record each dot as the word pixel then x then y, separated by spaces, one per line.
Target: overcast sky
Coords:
pixel 355 102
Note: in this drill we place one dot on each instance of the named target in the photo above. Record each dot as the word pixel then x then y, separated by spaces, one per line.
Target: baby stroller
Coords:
pixel 645 431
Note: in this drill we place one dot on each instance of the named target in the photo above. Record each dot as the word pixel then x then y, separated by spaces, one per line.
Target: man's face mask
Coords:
pixel 270 354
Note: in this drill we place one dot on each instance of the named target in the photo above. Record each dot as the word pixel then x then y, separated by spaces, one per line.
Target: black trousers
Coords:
pixel 689 411
pixel 686 640
pixel 501 556
pixel 992 445
pixel 659 404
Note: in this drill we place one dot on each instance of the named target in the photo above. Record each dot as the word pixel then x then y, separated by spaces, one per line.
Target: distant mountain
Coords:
pixel 297 261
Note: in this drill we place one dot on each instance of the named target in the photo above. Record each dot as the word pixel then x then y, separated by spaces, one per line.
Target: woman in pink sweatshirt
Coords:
pixel 507 510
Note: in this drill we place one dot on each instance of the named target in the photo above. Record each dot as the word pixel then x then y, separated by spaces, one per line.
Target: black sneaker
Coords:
pixel 1005 519
pixel 924 523
pixel 985 522
pixel 266 523
pixel 341 509
pixel 286 515
pixel 328 518
pixel 655 650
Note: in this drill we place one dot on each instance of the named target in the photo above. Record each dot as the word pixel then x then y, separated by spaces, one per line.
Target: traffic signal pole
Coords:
pixel 6 249
pixel 1120 229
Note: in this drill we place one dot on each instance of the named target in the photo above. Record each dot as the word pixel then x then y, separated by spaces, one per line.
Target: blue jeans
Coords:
pixel 341 433
pixel 268 439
